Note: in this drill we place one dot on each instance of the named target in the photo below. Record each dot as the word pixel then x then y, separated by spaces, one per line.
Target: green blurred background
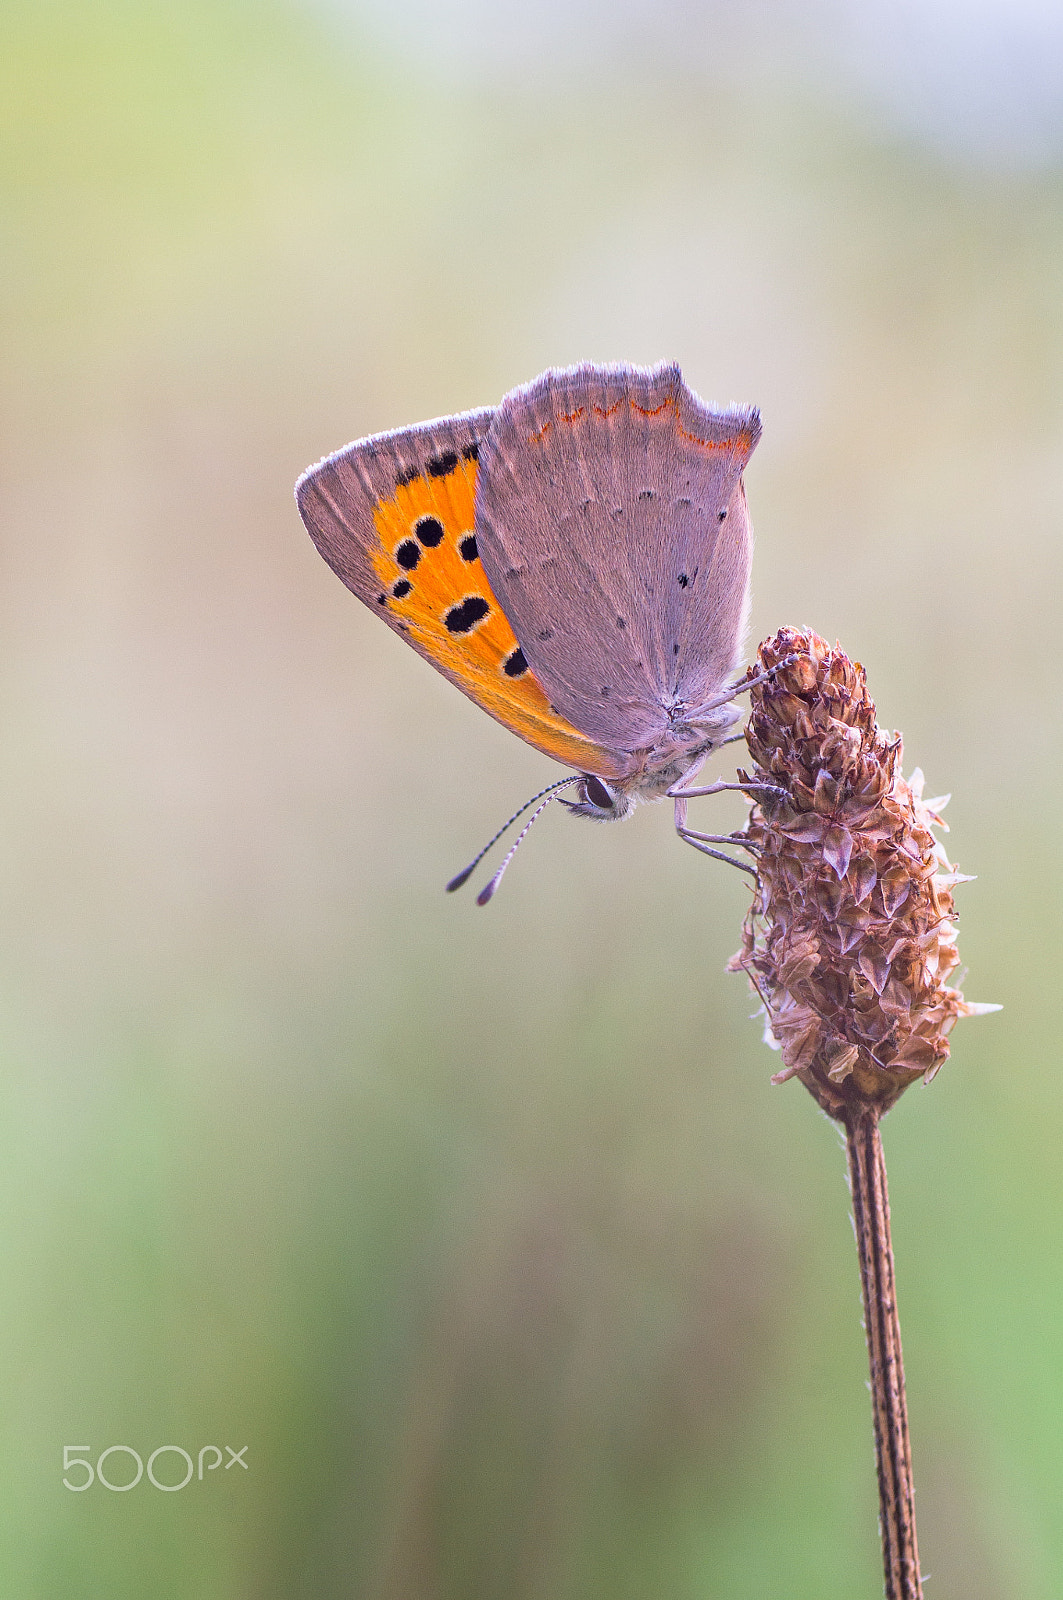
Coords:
pixel 484 1230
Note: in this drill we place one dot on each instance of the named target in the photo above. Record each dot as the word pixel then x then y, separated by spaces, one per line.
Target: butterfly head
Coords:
pixel 601 801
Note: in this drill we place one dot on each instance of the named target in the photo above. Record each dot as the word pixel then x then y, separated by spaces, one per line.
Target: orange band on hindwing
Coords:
pixel 741 443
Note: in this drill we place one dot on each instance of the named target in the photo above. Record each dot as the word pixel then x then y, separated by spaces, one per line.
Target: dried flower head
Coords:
pixel 849 940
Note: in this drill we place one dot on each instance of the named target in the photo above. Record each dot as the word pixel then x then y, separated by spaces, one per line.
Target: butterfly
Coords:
pixel 576 560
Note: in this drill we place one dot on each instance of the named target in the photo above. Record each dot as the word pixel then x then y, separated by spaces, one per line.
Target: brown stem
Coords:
pixel 893 1454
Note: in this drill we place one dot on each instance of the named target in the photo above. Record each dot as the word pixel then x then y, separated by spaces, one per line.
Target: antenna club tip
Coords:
pixel 456 883
pixel 487 891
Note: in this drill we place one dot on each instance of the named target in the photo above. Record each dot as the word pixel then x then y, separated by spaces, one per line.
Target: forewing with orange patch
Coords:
pixel 394 516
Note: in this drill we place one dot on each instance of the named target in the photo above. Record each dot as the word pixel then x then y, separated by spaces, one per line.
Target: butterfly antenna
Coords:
pixel 489 888
pixel 550 790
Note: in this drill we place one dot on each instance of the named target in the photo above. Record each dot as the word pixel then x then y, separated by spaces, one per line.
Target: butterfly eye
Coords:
pixel 596 792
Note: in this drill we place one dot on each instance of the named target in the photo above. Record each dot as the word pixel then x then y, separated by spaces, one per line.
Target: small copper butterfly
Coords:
pixel 576 560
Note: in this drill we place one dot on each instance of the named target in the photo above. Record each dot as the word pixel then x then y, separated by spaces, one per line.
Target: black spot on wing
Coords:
pixel 429 531
pixel 401 589
pixel 467 547
pixel 437 466
pixel 721 514
pixel 408 554
pixel 464 617
pixel 515 665
pixel 683 580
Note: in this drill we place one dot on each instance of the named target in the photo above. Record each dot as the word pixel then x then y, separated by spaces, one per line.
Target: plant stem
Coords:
pixel 893 1454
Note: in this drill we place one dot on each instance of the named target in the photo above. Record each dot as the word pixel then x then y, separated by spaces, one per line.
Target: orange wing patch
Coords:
pixel 434 585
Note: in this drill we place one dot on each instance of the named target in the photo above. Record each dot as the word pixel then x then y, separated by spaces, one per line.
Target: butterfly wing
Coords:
pixel 394 517
pixel 613 528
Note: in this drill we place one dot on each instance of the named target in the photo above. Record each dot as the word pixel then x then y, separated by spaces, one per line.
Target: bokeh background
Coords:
pixel 484 1230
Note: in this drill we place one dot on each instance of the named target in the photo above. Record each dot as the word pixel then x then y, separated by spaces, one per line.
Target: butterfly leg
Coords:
pixel 677 792
pixel 705 841
pixel 717 855
pixel 729 693
pixel 720 838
